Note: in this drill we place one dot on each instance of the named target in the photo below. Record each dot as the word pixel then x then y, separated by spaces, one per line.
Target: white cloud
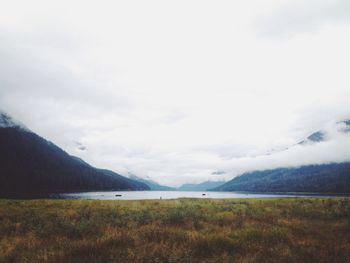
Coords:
pixel 175 90
pixel 295 16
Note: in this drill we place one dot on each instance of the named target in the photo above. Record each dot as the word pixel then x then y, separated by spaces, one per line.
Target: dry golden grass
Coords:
pixel 184 230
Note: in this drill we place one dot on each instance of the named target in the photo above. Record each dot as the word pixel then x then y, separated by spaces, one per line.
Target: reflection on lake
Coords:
pixel 144 195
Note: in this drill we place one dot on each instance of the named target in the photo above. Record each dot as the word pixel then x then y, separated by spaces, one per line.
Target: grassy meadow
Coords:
pixel 183 230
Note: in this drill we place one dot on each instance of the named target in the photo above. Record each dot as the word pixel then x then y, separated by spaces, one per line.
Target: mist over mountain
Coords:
pixel 323 135
pixel 150 183
pixel 341 127
pixel 314 175
pixel 217 90
pixel 32 166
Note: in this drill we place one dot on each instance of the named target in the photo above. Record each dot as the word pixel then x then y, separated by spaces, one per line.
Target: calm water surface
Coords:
pixel 144 195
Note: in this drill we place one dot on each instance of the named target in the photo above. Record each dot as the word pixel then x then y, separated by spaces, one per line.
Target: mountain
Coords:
pixel 318 136
pixel 347 127
pixel 32 166
pixel 325 178
pixel 200 187
pixel 321 135
pixel 154 186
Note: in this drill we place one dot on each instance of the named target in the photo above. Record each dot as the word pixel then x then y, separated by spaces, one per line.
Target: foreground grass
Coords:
pixel 184 230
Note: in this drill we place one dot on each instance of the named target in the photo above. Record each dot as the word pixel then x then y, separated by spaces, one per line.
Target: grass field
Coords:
pixel 184 230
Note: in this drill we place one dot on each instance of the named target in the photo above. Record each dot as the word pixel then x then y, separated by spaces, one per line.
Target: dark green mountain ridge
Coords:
pixel 323 178
pixel 31 166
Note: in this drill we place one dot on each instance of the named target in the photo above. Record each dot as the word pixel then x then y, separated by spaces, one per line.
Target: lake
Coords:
pixel 147 195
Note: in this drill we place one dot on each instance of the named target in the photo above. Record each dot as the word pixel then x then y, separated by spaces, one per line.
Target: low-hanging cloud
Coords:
pixel 177 100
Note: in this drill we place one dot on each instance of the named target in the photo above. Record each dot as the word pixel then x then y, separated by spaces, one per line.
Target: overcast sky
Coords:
pixel 177 90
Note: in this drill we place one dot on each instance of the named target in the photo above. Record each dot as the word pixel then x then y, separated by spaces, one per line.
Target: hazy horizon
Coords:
pixel 180 92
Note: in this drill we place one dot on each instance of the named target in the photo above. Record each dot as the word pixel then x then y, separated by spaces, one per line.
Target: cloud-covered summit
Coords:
pixel 6 121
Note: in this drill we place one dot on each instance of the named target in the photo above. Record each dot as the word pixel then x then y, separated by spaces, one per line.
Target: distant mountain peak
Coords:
pixel 318 136
pixel 321 135
pixel 346 123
